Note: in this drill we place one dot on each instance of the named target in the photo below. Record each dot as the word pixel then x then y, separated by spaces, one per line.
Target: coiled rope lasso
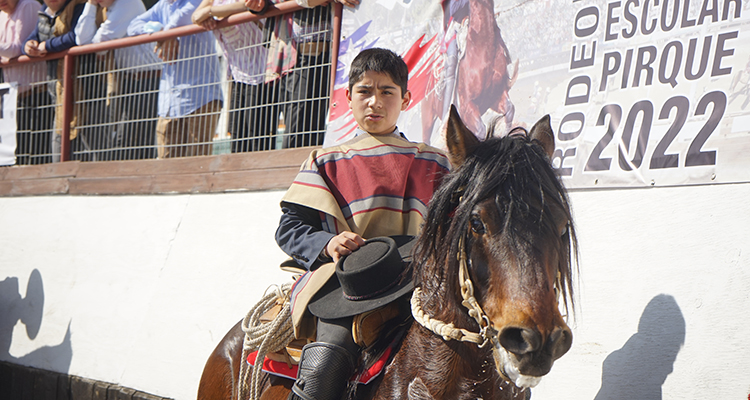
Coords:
pixel 264 337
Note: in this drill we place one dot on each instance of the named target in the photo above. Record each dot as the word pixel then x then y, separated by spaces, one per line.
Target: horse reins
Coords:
pixel 448 331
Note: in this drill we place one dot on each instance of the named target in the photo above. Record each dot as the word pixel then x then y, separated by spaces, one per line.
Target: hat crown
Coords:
pixel 371 270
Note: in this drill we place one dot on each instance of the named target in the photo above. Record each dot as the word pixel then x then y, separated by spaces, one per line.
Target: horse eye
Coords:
pixel 565 229
pixel 476 225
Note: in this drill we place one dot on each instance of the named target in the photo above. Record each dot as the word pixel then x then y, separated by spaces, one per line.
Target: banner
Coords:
pixel 8 95
pixel 640 92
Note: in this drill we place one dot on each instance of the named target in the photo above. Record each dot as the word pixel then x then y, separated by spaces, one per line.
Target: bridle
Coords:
pixel 487 333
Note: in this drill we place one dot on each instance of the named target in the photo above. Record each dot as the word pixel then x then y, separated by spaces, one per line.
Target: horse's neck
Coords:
pixel 449 369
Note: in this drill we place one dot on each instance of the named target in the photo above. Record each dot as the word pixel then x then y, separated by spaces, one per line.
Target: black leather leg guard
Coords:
pixel 324 372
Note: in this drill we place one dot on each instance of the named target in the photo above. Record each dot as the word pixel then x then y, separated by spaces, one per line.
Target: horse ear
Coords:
pixel 460 140
pixel 542 133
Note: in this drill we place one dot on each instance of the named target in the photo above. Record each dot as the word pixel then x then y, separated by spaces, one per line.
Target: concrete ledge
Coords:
pixel 21 383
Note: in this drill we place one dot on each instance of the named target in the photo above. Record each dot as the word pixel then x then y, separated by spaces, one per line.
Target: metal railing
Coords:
pixel 109 105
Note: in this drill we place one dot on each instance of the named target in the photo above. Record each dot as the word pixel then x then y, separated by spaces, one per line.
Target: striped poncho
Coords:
pixel 370 185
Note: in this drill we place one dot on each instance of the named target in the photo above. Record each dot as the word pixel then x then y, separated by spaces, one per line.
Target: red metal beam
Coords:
pixel 273 10
pixel 67 105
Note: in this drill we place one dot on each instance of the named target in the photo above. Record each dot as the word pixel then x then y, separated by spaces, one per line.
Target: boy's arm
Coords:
pixel 86 27
pixel 135 27
pixel 119 16
pixel 300 234
pixel 182 16
pixel 204 16
pixel 68 39
pixel 315 3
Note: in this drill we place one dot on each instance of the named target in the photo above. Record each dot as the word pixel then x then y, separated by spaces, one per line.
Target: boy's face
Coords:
pixel 105 3
pixel 376 102
pixel 8 6
pixel 54 5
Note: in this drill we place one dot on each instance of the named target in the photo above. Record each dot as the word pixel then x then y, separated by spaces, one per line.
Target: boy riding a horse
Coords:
pixel 375 185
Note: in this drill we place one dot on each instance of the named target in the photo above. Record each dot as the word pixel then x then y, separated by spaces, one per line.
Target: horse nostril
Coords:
pixel 520 340
pixel 560 341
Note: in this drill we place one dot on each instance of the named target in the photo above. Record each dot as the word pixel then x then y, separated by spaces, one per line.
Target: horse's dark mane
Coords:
pixel 515 171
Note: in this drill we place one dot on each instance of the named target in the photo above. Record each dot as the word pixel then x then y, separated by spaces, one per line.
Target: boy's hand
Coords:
pixel 350 3
pixel 255 5
pixel 167 50
pixel 32 48
pixel 202 17
pixel 343 244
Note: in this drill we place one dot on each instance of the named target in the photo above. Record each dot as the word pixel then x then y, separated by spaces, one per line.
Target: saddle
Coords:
pixel 366 329
pixel 363 285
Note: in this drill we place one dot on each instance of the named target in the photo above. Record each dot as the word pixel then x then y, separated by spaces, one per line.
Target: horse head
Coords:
pixel 502 222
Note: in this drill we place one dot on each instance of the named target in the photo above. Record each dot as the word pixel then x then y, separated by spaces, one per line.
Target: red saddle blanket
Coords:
pixel 279 368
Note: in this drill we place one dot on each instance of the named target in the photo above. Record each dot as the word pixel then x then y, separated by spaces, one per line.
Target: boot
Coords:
pixel 324 372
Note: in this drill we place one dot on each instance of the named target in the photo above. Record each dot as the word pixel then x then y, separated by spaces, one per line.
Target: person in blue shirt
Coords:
pixel 133 85
pixel 189 91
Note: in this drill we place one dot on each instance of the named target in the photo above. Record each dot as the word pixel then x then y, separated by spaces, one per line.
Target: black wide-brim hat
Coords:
pixel 370 277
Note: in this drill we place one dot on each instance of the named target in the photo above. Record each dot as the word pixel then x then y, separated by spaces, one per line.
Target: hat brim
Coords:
pixel 329 301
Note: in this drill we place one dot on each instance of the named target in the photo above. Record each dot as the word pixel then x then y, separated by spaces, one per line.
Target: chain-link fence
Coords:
pixel 254 85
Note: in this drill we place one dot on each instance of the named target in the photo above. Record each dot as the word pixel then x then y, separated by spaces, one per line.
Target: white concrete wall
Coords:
pixel 137 290
pixel 657 259
pixel 148 284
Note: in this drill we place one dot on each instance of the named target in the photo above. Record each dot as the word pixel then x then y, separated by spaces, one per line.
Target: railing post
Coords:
pixel 67 105
pixel 338 10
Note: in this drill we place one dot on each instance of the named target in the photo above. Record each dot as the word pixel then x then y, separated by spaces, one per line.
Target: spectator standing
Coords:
pixel 54 32
pixel 17 20
pixel 305 88
pixel 252 111
pixel 189 91
pixel 133 87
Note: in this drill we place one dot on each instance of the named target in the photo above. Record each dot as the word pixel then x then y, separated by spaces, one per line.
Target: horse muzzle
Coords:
pixel 523 356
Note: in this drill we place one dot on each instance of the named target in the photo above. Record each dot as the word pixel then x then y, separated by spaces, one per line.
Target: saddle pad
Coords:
pixel 281 369
pixel 277 368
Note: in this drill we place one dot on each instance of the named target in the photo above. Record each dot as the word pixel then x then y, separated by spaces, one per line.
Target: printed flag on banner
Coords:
pixel 8 95
pixel 641 93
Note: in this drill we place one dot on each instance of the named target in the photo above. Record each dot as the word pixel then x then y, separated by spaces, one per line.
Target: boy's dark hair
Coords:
pixel 379 60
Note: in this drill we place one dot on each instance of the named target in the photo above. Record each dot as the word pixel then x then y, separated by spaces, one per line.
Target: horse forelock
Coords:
pixel 516 174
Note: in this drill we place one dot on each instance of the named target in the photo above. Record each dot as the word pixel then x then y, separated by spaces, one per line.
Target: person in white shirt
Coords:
pixel 18 19
pixel 134 85
pixel 252 109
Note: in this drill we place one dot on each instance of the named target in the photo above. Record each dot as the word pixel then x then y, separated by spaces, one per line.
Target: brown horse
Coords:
pixel 482 80
pixel 493 259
